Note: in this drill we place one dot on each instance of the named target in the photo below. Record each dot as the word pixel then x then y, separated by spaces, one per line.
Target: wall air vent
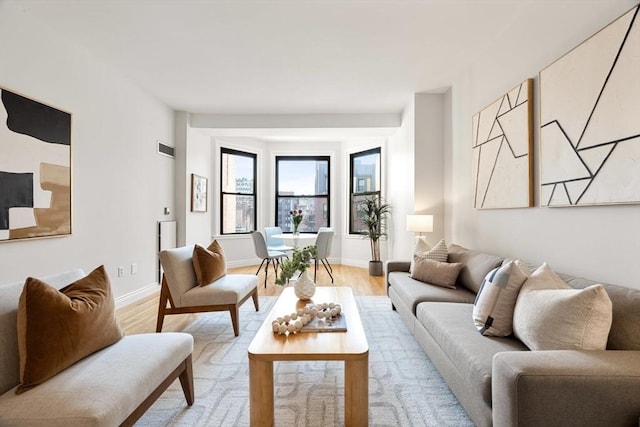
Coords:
pixel 166 150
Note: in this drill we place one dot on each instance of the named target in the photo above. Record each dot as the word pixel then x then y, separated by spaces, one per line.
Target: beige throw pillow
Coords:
pixel 438 253
pixel 550 315
pixel 209 264
pixel 57 328
pixel 434 272
pixel 496 300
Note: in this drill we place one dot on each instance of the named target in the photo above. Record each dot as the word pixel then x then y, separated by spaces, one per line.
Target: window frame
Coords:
pixel 254 157
pixel 306 196
pixel 377 193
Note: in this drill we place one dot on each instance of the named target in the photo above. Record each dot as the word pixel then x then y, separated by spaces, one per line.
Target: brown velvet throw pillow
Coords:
pixel 57 328
pixel 437 273
pixel 209 264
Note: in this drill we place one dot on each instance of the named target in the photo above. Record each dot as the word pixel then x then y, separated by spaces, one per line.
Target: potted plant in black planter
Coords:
pixel 374 212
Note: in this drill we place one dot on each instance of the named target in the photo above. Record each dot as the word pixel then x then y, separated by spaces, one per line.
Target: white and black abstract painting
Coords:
pixel 590 120
pixel 502 145
pixel 35 169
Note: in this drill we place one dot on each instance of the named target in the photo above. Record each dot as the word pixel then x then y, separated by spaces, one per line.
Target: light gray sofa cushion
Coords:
pixel 413 292
pixel 120 379
pixel 451 326
pixel 476 266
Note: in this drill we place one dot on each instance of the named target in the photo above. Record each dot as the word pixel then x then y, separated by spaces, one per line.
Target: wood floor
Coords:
pixel 140 317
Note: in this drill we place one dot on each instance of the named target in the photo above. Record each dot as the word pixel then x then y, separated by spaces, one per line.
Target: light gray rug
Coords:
pixel 404 387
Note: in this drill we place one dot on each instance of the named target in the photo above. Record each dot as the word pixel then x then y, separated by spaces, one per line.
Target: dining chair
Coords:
pixel 260 247
pixel 323 250
pixel 275 243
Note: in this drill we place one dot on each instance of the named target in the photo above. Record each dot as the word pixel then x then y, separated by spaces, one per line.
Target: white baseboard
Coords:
pixel 136 295
pixel 355 263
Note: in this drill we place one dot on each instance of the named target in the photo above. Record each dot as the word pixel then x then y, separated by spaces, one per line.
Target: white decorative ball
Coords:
pixel 306 310
pixel 294 316
pixel 279 319
pixel 300 312
pixel 334 312
pixel 298 325
pixel 276 327
pixel 291 328
pixel 287 318
pixel 313 312
pixel 282 329
pixel 332 304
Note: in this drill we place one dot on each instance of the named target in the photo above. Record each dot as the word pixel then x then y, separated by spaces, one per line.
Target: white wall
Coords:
pixel 120 184
pixel 199 161
pixel 601 242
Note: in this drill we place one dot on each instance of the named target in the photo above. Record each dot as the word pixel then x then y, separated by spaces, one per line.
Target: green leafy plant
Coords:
pixel 374 215
pixel 299 261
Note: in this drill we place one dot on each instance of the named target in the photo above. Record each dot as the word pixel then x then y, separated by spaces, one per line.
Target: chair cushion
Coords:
pixel 58 328
pixel 179 272
pixel 209 264
pixel 229 289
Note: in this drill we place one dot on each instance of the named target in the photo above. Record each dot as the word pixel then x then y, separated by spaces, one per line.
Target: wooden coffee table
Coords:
pixel 350 346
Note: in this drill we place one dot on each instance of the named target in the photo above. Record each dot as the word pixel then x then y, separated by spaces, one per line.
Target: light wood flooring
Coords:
pixel 140 317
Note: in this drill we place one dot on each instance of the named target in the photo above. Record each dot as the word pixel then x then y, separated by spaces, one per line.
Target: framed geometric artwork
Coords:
pixel 198 193
pixel 590 120
pixel 35 169
pixel 502 146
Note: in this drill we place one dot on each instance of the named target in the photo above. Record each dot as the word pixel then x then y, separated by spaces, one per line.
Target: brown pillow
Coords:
pixel 57 328
pixel 435 272
pixel 209 263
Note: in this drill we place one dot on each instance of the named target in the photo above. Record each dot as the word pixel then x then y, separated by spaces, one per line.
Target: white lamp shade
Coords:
pixel 420 223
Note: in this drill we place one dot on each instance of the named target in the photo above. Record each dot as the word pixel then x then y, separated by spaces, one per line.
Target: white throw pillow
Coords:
pixel 421 248
pixel 551 315
pixel 496 300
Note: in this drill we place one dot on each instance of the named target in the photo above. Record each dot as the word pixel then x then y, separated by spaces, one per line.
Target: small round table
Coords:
pixel 296 240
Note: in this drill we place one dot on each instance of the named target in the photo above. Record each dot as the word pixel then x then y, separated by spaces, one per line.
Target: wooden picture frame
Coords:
pixel 503 151
pixel 198 193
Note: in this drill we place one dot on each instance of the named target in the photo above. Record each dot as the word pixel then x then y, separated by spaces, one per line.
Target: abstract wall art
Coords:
pixel 502 146
pixel 35 169
pixel 590 120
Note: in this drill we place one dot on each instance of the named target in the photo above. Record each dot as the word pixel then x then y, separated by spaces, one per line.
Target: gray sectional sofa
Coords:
pixel 499 381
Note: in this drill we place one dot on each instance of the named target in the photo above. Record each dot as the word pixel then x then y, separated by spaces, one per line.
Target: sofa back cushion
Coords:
pixel 625 326
pixel 9 297
pixel 475 268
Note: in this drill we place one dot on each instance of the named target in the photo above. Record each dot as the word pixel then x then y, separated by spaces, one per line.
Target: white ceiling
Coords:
pixel 290 57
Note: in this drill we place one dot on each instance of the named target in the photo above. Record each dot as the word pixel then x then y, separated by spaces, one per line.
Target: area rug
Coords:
pixel 404 387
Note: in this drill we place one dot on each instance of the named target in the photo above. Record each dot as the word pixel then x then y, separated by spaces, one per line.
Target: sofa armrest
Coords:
pixel 396 265
pixel 566 388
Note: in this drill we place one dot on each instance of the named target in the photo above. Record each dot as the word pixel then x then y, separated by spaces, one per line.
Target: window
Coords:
pixel 302 182
pixel 364 170
pixel 237 191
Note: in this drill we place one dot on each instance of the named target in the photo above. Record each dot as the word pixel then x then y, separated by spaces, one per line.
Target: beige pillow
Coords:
pixel 438 253
pixel 58 328
pixel 496 300
pixel 434 272
pixel 550 315
pixel 209 264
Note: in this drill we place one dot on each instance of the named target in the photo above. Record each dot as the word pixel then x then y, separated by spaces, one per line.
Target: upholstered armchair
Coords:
pixel 181 290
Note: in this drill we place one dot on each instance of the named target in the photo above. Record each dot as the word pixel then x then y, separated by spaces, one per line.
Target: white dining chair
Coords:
pixel 260 247
pixel 323 250
pixel 275 243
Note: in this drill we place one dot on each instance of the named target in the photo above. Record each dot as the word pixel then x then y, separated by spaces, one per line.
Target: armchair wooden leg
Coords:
pixel 186 381
pixel 164 296
pixel 234 311
pixel 256 303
